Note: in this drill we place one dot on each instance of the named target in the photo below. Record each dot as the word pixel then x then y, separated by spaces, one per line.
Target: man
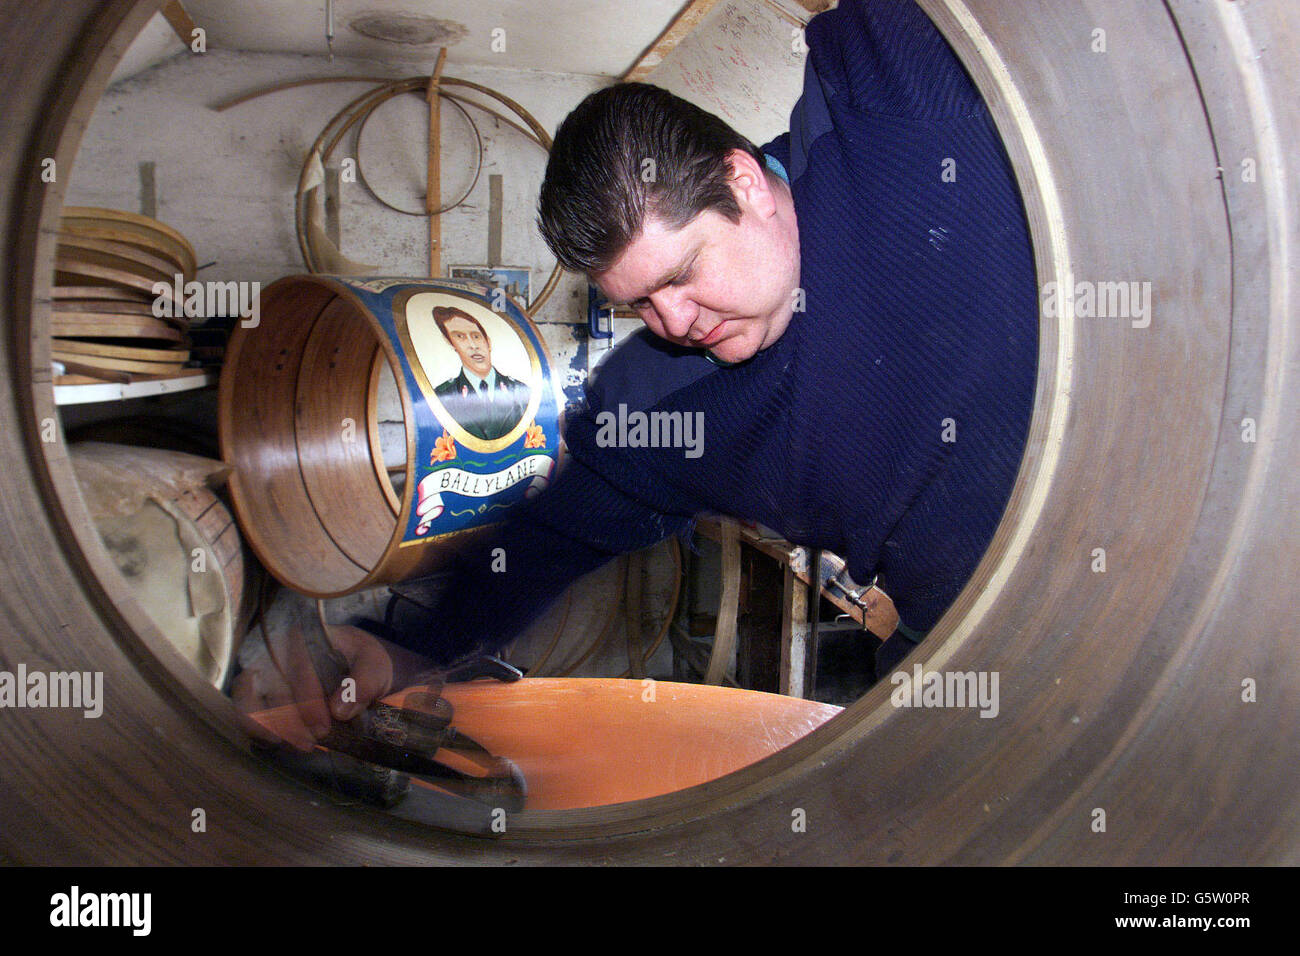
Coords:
pixel 852 309
pixel 483 401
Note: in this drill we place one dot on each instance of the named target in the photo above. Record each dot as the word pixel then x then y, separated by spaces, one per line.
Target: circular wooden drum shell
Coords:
pixel 1121 690
pixel 295 409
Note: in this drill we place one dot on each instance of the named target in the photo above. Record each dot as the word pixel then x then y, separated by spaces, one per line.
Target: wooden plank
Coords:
pixel 180 20
pixel 495 217
pixel 62 292
pixel 63 380
pixel 681 26
pixel 433 189
pixel 177 259
pixel 115 364
pixel 794 634
pixel 136 352
pixel 83 310
pixel 101 307
pixel 84 370
pixel 724 638
pixel 148 232
pixel 114 327
pixel 148 190
pixel 117 254
pixel 74 272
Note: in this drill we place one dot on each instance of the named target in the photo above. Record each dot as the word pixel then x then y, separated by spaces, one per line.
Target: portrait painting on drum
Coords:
pixel 480 369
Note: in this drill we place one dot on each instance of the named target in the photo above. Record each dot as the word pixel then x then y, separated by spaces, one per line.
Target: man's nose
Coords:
pixel 676 310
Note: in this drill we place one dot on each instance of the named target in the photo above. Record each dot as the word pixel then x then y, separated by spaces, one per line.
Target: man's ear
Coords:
pixel 750 183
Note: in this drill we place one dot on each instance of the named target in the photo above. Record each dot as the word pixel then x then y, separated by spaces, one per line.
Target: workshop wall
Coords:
pixel 744 63
pixel 227 179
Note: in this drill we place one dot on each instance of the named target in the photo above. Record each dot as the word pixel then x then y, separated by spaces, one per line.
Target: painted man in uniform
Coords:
pixel 485 402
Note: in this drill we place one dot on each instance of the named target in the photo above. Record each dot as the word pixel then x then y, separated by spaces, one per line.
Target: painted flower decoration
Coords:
pixel 536 438
pixel 444 448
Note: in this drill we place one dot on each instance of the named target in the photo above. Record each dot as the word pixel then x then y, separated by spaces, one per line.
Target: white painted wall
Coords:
pixel 226 180
pixel 744 63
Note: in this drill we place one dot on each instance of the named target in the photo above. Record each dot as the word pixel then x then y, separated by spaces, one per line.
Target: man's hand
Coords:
pixel 370 671
pixel 309 674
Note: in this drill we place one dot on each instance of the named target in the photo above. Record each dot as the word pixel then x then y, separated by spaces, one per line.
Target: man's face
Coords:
pixel 470 344
pixel 713 284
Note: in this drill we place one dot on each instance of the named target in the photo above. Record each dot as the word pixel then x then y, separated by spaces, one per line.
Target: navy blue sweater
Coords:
pixel 887 423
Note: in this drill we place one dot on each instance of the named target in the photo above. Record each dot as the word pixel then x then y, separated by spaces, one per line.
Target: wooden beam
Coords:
pixel 433 191
pixel 876 612
pixel 496 218
pixel 687 19
pixel 148 190
pixel 724 637
pixel 632 614
pixel 333 206
pixel 816 6
pixel 180 20
pixel 795 631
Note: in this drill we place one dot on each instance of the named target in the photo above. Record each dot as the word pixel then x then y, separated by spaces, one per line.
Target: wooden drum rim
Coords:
pixel 1120 689
pixel 233 435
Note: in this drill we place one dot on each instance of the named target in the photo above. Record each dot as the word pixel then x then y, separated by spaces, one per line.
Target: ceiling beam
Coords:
pixel 687 19
pixel 180 20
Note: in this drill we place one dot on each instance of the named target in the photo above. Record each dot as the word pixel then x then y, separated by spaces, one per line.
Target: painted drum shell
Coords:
pixel 298 423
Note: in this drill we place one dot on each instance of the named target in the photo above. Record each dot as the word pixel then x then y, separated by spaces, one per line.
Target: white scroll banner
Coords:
pixel 429 504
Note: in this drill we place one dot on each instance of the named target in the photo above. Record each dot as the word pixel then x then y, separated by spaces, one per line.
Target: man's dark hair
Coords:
pixel 625 152
pixel 443 314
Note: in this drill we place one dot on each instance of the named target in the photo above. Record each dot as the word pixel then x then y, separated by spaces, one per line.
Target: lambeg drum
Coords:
pixel 299 421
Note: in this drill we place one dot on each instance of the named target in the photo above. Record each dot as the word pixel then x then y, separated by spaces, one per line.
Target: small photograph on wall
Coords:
pixel 513 280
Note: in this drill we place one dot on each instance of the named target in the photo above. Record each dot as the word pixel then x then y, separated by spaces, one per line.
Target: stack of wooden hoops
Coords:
pixel 107 325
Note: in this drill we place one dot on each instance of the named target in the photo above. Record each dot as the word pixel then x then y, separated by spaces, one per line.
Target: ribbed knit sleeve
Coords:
pixel 590 514
pixel 921 304
pixel 885 57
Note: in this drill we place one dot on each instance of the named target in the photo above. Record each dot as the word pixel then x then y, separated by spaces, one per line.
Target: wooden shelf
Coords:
pixel 118 392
